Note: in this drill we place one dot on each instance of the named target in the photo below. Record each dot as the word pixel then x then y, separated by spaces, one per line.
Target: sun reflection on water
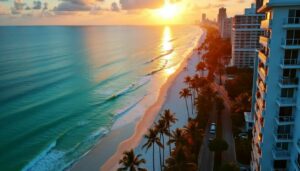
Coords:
pixel 167 48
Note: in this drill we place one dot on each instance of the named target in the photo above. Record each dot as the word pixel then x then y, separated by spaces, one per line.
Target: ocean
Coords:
pixel 63 88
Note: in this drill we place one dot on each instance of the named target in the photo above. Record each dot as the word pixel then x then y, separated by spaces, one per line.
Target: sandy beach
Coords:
pixel 133 133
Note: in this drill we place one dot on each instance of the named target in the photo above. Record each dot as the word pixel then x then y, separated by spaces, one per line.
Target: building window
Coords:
pixel 286 111
pixel 280 164
pixel 289 73
pixel 298 160
pixel 282 146
pixel 287 92
pixel 293 37
pixel 291 56
pixel 294 16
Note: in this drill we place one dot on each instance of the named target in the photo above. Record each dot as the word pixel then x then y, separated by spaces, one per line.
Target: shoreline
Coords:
pixel 150 115
pixel 132 133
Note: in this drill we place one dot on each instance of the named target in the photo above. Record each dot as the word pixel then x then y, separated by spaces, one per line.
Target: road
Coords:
pixel 229 155
pixel 206 157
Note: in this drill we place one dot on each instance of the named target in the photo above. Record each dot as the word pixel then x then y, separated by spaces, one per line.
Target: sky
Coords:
pixel 113 12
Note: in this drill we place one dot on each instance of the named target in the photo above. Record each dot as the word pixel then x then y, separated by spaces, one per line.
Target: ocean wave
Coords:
pixel 161 68
pixel 111 78
pixel 160 56
pixel 28 90
pixel 52 159
pixel 126 109
pixel 116 61
pixel 45 160
pixel 132 87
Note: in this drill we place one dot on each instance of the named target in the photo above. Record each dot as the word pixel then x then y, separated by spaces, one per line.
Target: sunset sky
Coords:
pixel 113 12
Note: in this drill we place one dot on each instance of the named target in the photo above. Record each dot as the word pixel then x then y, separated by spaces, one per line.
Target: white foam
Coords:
pixel 49 159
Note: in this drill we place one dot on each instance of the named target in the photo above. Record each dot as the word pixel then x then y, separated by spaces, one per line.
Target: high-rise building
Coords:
pixel 245 37
pixel 258 4
pixel 203 17
pixel 225 31
pixel 276 134
pixel 221 16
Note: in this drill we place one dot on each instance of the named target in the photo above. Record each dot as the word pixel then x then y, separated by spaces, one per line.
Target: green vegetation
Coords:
pixel 243 150
pixel 131 162
pixel 218 145
pixel 230 167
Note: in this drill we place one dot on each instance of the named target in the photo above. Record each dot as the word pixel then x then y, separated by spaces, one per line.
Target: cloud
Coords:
pixel 115 7
pixel 37 5
pixel 140 4
pixel 76 5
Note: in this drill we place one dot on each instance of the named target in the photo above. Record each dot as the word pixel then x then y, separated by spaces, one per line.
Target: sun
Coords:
pixel 168 11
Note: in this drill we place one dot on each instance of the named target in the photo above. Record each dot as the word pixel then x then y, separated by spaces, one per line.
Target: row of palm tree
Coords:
pixel 156 136
pixel 183 143
pixel 186 140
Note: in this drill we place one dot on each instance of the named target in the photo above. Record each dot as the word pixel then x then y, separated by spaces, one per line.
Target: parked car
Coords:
pixel 243 135
pixel 212 129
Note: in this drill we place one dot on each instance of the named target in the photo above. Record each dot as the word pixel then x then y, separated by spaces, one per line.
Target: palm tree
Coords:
pixel 179 162
pixel 152 139
pixel 178 138
pixel 131 162
pixel 185 93
pixel 161 127
pixel 169 118
pixel 201 67
pixel 194 134
pixel 187 80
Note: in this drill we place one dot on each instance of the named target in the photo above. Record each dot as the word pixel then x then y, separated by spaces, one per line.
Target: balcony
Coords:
pixel 279 169
pixel 290 64
pixel 286 82
pixel 284 120
pixel 282 137
pixel 279 154
pixel 266 24
pixel 262 73
pixel 286 101
pixel 291 43
pixel 264 40
pixel 262 56
pixel 291 22
pixel 297 164
pixel 298 145
pixel 260 103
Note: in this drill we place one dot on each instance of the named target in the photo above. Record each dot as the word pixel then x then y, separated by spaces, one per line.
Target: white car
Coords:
pixel 212 128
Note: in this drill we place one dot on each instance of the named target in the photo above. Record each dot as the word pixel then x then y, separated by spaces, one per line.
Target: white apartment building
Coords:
pixel 244 38
pixel 276 132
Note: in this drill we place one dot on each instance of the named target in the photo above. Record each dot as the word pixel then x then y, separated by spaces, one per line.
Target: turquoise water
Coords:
pixel 62 88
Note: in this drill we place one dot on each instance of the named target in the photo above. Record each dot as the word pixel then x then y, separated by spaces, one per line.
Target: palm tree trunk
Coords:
pixel 160 157
pixel 169 139
pixel 192 105
pixel 187 108
pixel 163 139
pixel 153 157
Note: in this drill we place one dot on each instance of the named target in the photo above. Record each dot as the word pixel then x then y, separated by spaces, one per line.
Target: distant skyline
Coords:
pixel 112 12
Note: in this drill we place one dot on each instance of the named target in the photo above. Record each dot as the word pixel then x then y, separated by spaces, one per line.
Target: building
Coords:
pixel 221 17
pixel 203 17
pixel 276 134
pixel 225 31
pixel 245 37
